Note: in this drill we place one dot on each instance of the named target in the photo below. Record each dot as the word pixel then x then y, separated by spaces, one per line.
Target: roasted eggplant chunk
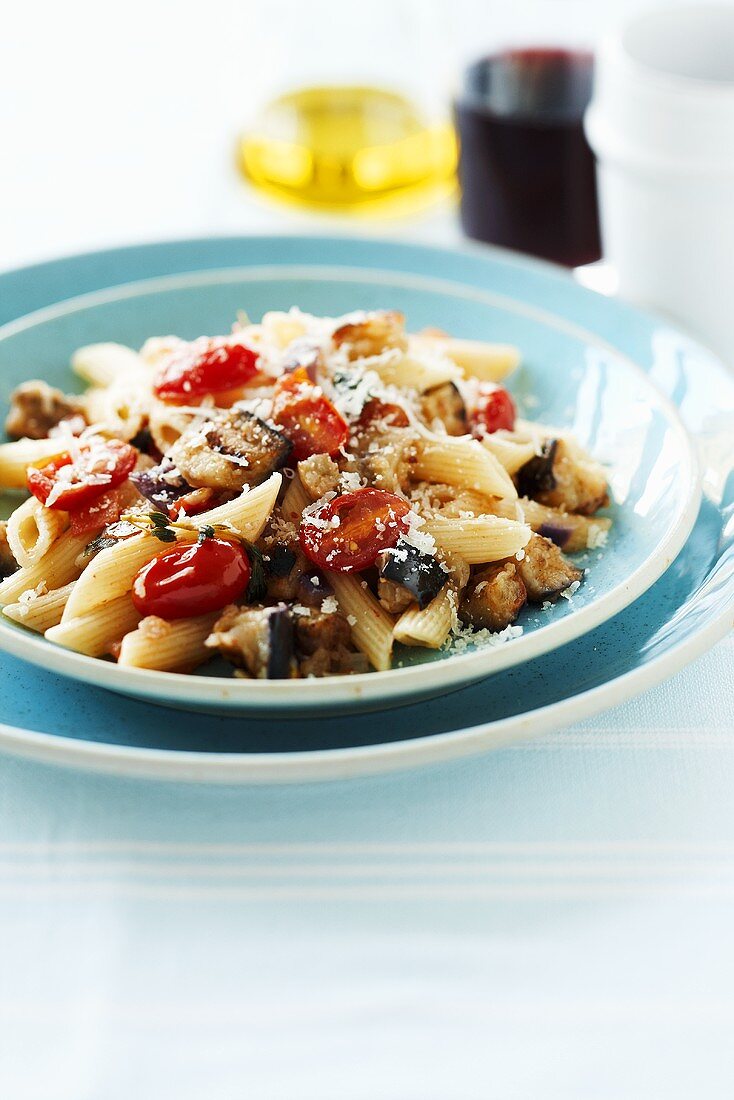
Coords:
pixel 380 331
pixel 259 640
pixel 446 404
pixel 230 451
pixel 493 597
pixel 545 571
pixel 323 645
pixel 563 477
pixel 421 574
pixel 537 476
pixel 162 485
pixel 36 408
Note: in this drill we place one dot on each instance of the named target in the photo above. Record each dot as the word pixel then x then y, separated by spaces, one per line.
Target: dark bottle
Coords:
pixel 526 170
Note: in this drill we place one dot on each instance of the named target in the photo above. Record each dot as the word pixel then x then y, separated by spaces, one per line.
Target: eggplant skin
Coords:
pixel 537 476
pixel 259 640
pixel 421 574
pixel 282 560
pixel 280 643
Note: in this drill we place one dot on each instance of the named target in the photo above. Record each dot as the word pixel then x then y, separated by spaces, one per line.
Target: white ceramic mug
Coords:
pixel 661 123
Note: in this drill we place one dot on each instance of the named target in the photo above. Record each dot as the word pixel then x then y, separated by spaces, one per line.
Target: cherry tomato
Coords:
pixel 394 415
pixel 105 509
pixel 495 409
pixel 70 483
pixel 348 532
pixel 192 580
pixel 204 367
pixel 307 418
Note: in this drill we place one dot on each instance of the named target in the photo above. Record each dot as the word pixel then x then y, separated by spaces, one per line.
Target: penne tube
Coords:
pixel 460 461
pixel 295 500
pixel 32 530
pixel 111 574
pixel 97 632
pixel 168 646
pixel 511 455
pixel 477 359
pixel 40 612
pixel 167 424
pixel 120 409
pixel 104 364
pixel 430 627
pixel 411 372
pixel 55 569
pixel 15 458
pixel 572 532
pixel 482 539
pixel 372 627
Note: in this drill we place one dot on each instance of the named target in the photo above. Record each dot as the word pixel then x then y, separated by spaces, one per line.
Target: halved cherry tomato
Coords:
pixel 393 415
pixel 495 410
pixel 100 512
pixel 204 367
pixel 70 483
pixel 307 417
pixel 348 532
pixel 192 580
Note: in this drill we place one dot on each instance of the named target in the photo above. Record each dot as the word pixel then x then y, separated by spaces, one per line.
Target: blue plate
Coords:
pixel 683 613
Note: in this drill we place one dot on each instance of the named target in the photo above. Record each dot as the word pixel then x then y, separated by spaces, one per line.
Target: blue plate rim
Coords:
pixel 319 765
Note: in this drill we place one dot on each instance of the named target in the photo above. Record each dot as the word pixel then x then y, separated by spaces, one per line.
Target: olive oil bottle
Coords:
pixel 349 148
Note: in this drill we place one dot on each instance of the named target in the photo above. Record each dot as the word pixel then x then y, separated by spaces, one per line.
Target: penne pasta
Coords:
pixel 430 627
pixel 168 646
pixel 479 540
pixel 372 627
pixel 104 364
pixel 97 632
pixel 15 458
pixel 296 499
pixel 511 455
pixel 573 532
pixel 40 612
pixel 55 569
pixel 477 359
pixel 120 408
pixel 411 372
pixel 111 574
pixel 462 462
pixel 32 530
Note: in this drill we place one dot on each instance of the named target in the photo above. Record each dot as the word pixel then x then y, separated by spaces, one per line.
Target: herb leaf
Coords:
pixel 257 588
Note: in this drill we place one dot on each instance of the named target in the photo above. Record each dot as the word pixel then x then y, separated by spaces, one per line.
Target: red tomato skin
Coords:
pixel 204 367
pixel 105 509
pixel 91 484
pixel 192 579
pixel 356 542
pixel 307 418
pixel 375 409
pixel 495 410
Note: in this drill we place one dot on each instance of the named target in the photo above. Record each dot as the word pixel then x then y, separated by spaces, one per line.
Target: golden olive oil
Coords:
pixel 349 148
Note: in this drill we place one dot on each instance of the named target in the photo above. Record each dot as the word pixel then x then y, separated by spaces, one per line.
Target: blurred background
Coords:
pixel 124 123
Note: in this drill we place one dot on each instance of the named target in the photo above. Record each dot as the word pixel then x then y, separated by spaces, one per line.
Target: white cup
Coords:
pixel 661 123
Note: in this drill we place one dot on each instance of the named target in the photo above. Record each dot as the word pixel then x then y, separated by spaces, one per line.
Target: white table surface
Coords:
pixel 553 920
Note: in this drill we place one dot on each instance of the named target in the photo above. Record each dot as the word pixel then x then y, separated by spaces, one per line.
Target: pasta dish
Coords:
pixel 304 496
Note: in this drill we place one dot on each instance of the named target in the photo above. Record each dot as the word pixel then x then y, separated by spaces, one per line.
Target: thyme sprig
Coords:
pixel 165 529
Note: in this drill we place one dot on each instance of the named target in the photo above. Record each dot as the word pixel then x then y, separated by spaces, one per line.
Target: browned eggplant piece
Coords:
pixel 379 331
pixel 493 597
pixel 446 404
pixel 563 477
pixel 419 573
pixel 545 571
pixel 162 485
pixel 36 408
pixel 323 645
pixel 8 564
pixel 230 451
pixel 293 578
pixel 257 639
pixel 537 476
pixel 319 475
pixel 393 597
